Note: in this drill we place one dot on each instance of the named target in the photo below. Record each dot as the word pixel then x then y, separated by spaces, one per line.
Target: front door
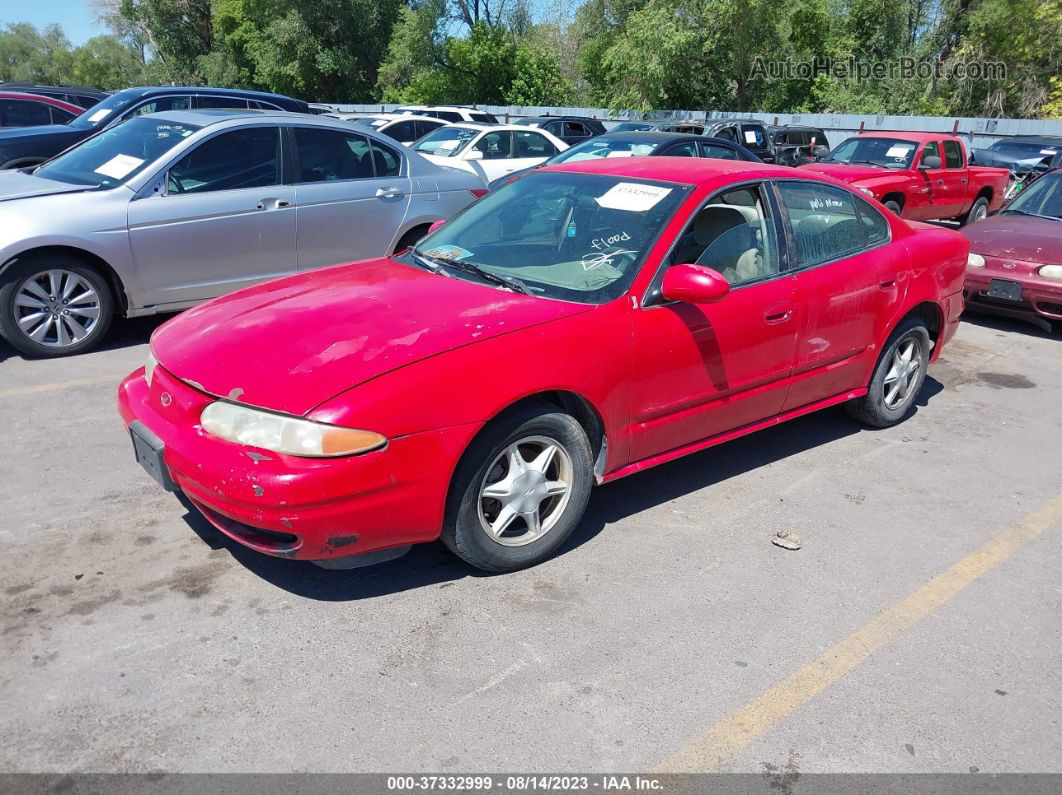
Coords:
pixel 352 196
pixel 702 370
pixel 222 222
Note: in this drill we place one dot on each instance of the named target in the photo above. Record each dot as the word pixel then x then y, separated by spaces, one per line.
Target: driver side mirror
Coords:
pixel 694 284
pixel 930 162
pixel 474 154
pixel 435 225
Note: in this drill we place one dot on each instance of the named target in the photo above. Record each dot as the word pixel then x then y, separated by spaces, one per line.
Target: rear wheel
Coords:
pixel 54 305
pixel 978 212
pixel 520 491
pixel 897 379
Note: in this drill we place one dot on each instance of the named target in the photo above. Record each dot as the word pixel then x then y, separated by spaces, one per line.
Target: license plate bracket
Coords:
pixel 1004 290
pixel 149 451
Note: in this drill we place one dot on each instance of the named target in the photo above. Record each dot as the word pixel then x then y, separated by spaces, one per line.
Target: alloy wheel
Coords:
pixel 903 373
pixel 56 308
pixel 525 491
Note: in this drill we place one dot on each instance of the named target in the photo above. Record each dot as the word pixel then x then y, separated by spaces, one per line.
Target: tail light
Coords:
pixel 479 193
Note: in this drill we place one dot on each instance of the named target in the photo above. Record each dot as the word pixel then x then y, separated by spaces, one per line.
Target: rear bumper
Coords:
pixel 301 508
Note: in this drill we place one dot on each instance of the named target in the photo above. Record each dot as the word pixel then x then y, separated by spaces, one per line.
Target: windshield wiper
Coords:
pixel 488 276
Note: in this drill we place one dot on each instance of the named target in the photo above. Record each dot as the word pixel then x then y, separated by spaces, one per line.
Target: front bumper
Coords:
pixel 292 507
pixel 1039 297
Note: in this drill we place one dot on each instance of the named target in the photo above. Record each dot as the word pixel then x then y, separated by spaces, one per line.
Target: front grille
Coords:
pixel 1049 308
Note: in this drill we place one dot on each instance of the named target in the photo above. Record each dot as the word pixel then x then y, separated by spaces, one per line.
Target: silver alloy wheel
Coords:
pixel 980 212
pixel 903 373
pixel 57 308
pixel 525 491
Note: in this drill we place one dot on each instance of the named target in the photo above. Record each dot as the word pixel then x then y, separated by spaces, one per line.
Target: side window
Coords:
pixel 247 158
pixel 257 104
pixel 160 104
pixel 952 154
pixel 824 222
pixel 495 145
pixel 60 116
pixel 403 131
pixel 732 234
pixel 932 150
pixel 727 134
pixel 425 127
pixel 448 115
pixel 220 102
pixel 329 155
pixel 688 149
pixel 754 135
pixel 533 144
pixel 718 152
pixel 386 162
pixel 21 113
pixel 573 129
pixel 875 227
pixel 483 118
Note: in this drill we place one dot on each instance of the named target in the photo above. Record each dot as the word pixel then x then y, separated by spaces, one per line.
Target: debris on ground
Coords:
pixel 786 540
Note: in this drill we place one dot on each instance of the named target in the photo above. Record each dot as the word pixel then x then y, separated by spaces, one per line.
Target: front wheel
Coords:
pixel 897 379
pixel 54 306
pixel 520 491
pixel 893 205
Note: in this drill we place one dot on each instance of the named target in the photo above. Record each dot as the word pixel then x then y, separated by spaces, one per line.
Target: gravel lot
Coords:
pixel 135 638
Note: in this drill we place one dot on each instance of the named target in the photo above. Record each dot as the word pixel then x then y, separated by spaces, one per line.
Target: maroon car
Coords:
pixel 1015 265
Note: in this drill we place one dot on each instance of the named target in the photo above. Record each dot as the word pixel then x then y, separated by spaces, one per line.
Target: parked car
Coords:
pixel 795 145
pixel 28 146
pixel 320 109
pixel 18 109
pixel 570 129
pixel 750 133
pixel 450 113
pixel 579 325
pixel 1015 265
pixel 403 128
pixel 165 210
pixel 491 151
pixel 921 176
pixel 1027 157
pixel 684 126
pixel 82 96
pixel 645 144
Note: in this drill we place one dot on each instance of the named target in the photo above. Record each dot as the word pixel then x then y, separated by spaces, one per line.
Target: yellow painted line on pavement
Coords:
pixel 19 391
pixel 773 706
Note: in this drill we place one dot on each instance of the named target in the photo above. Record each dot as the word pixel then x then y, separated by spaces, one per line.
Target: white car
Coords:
pixel 492 151
pixel 401 127
pixel 450 113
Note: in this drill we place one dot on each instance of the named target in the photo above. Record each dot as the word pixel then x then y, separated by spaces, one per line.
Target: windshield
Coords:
pixel 113 156
pixel 886 152
pixel 1025 149
pixel 597 148
pixel 575 237
pixel 445 141
pixel 1043 197
pixel 103 112
pixel 632 126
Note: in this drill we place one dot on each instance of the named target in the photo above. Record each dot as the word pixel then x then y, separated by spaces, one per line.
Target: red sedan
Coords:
pixel 579 325
pixel 19 109
pixel 1015 266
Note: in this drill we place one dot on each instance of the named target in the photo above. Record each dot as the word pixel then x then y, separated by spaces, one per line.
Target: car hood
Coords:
pixel 14 133
pixel 15 184
pixel 1019 237
pixel 294 343
pixel 849 173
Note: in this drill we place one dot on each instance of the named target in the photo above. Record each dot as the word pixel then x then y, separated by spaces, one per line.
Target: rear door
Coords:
pixel 223 221
pixel 352 195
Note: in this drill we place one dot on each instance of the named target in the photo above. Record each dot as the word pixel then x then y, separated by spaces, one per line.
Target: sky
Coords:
pixel 75 16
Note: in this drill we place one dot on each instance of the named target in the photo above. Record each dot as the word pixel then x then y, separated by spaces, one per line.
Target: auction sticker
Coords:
pixel 100 114
pixel 448 252
pixel 632 196
pixel 119 165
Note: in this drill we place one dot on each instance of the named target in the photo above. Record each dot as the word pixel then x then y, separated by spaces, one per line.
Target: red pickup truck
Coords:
pixel 919 176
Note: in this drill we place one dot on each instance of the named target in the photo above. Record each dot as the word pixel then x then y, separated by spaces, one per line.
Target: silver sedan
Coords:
pixel 166 210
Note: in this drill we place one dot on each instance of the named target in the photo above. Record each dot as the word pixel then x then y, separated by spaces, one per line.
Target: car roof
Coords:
pixel 749 120
pixel 236 92
pixel 211 116
pixel 38 98
pixel 647 136
pixel 549 117
pixel 1054 139
pixel 387 116
pixel 682 170
pixel 905 135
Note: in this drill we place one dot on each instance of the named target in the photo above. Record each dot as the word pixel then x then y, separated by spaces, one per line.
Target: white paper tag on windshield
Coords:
pixel 619 153
pixel 119 165
pixel 750 136
pixel 1048 151
pixel 898 151
pixel 632 197
pixel 100 114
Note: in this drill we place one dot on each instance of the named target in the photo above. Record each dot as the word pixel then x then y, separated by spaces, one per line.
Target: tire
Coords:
pixel 410 238
pixel 892 205
pixel 978 212
pixel 515 544
pixel 54 305
pixel 875 408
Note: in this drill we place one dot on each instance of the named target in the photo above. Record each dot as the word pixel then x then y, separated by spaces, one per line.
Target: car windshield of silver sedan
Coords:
pixel 1042 199
pixel 445 141
pixel 595 149
pixel 574 237
pixel 885 152
pixel 117 154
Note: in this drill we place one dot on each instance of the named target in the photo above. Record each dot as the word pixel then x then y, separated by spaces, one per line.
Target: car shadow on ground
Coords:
pixel 1007 324
pixel 428 565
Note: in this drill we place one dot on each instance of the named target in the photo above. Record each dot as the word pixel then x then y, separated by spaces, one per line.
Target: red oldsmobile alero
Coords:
pixel 580 324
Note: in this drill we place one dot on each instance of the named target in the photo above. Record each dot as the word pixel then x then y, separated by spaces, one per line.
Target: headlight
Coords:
pixel 1051 272
pixel 149 366
pixel 975 260
pixel 282 434
pixel 867 191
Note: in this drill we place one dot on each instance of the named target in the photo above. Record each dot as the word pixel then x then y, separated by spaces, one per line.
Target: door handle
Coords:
pixel 940 181
pixel 387 193
pixel 888 284
pixel 779 313
pixel 272 204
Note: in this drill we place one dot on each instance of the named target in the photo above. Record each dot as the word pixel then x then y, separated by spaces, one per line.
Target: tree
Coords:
pixel 108 63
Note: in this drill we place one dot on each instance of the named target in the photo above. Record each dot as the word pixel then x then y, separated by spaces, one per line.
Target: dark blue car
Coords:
pixel 28 146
